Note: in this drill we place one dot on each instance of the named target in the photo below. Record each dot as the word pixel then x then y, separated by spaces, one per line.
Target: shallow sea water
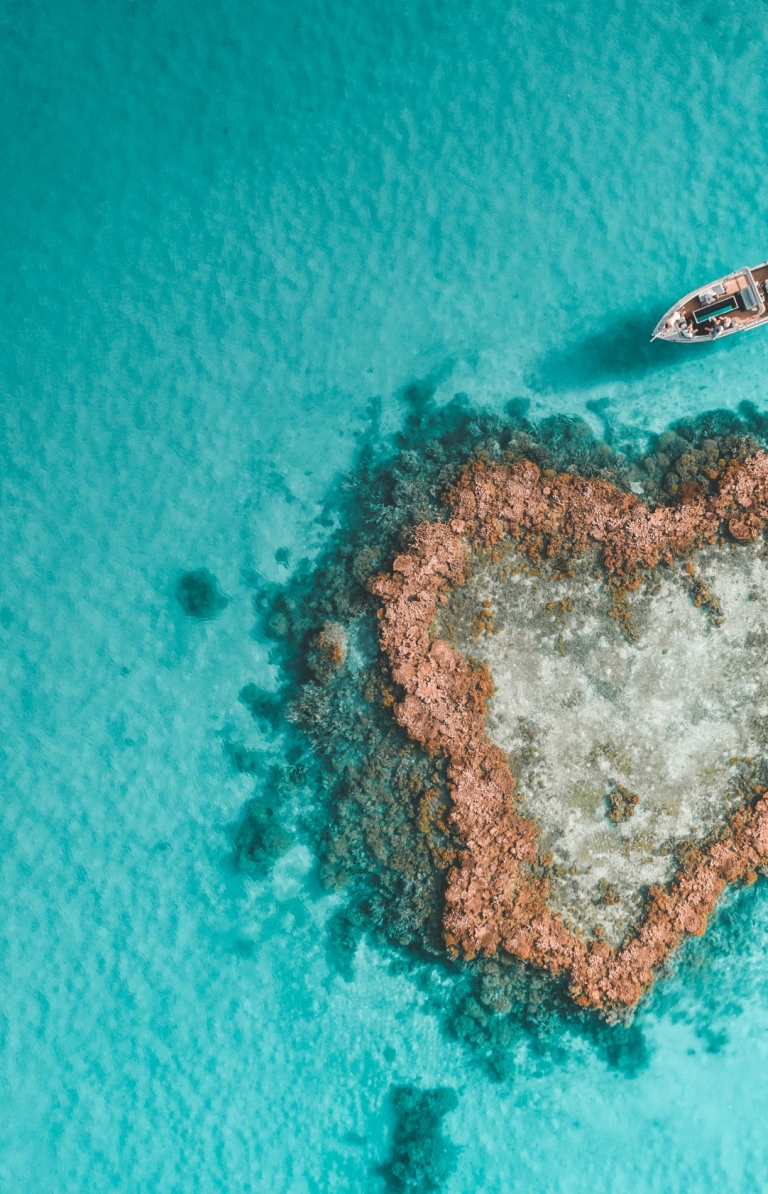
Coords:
pixel 230 237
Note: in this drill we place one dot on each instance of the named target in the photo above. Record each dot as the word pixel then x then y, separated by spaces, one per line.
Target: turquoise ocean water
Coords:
pixel 230 236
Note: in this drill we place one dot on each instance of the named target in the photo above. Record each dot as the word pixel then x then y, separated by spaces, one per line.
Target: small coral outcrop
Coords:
pixel 621 804
pixel 328 651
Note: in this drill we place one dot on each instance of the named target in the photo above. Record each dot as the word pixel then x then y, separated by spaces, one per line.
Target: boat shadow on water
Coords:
pixel 621 351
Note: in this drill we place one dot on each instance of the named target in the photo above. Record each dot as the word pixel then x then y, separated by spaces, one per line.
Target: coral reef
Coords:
pixel 496 895
pixel 372 803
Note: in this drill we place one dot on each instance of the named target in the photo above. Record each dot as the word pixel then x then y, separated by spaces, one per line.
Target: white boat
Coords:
pixel 731 304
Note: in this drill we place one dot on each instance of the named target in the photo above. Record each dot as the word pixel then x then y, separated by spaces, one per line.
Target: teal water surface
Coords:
pixel 231 236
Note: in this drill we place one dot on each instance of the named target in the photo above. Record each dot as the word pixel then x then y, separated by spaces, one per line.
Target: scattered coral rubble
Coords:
pixel 496 895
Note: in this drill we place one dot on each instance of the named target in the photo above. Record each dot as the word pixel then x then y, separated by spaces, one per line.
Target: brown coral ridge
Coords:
pixel 496 897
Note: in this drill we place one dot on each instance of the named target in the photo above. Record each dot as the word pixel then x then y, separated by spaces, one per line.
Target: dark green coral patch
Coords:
pixel 261 835
pixel 421 1159
pixel 260 839
pixel 199 595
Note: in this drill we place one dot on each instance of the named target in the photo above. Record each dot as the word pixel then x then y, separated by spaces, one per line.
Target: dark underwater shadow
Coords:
pixel 621 351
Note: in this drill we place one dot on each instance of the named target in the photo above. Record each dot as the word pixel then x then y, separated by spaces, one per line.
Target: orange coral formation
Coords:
pixel 496 896
pixel 621 803
pixel 329 651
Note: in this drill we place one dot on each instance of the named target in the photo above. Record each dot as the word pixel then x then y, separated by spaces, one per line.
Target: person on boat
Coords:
pixel 676 323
